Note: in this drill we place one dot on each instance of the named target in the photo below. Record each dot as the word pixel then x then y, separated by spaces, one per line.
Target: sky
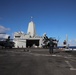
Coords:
pixel 56 18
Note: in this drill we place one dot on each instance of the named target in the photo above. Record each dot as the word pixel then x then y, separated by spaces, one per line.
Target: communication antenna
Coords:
pixel 31 18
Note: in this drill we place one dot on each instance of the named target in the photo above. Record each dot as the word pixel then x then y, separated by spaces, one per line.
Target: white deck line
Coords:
pixel 71 67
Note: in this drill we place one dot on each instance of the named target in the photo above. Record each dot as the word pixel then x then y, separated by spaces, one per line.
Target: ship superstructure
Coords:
pixel 29 39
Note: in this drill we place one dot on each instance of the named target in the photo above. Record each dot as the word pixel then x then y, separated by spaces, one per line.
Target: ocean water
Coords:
pixel 73 47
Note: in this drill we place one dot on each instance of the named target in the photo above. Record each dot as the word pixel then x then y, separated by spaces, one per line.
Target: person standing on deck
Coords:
pixel 51 46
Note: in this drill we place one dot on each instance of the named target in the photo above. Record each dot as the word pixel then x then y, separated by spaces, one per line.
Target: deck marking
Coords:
pixel 54 55
pixel 69 64
pixel 71 67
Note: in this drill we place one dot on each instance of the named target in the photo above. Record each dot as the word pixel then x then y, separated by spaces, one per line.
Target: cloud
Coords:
pixel 4 36
pixel 3 29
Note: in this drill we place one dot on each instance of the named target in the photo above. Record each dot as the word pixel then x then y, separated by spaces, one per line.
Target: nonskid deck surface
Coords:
pixel 37 62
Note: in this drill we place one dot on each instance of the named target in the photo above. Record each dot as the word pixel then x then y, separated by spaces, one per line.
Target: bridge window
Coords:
pixel 17 36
